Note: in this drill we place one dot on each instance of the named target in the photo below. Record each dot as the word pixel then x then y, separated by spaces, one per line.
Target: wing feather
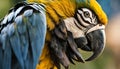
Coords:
pixel 22 37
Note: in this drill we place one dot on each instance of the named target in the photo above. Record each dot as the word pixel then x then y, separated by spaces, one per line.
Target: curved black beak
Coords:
pixel 93 41
pixel 96 43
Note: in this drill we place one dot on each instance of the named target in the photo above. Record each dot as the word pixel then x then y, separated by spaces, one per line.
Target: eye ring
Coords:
pixel 86 14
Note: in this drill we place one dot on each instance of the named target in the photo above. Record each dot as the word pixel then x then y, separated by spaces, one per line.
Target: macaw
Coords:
pixel 43 34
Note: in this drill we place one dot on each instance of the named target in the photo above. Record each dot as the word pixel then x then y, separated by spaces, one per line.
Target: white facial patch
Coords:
pixel 70 25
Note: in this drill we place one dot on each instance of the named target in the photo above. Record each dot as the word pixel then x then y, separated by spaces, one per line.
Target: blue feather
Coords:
pixel 22 37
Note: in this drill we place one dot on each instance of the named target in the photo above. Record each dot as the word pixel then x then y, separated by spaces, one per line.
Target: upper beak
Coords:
pixel 96 42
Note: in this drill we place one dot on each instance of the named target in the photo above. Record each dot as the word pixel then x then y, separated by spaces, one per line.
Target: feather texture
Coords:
pixel 22 36
pixel 62 9
pixel 23 33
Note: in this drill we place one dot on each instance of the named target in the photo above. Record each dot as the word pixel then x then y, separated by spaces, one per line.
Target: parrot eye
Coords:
pixel 86 14
pixel 85 17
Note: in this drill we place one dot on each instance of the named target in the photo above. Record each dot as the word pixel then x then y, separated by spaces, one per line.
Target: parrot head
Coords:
pixel 90 21
pixel 88 33
pixel 83 31
pixel 87 27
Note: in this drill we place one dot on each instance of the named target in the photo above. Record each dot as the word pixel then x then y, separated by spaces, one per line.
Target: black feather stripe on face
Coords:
pixel 85 17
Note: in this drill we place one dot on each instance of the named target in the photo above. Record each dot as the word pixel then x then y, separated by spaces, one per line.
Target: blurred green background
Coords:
pixel 110 58
pixel 5 5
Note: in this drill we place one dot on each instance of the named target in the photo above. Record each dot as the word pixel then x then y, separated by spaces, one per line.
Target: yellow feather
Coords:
pixel 98 10
pixel 68 7
pixel 63 8
pixel 45 61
